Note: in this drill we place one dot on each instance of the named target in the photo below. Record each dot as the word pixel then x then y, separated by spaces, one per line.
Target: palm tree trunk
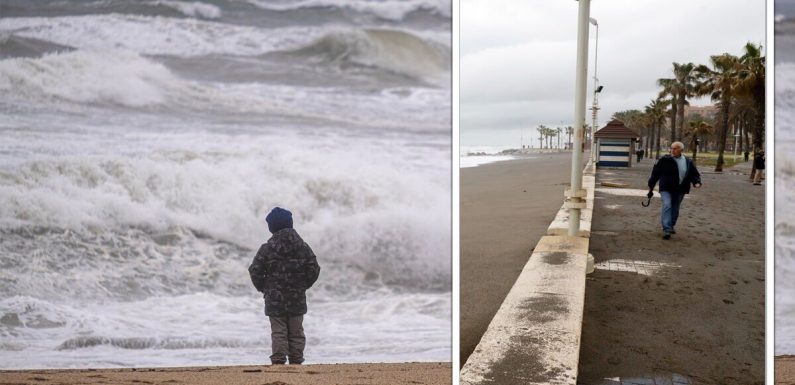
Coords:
pixel 695 146
pixel 759 130
pixel 657 140
pixel 680 112
pixel 673 120
pixel 740 128
pixel 724 129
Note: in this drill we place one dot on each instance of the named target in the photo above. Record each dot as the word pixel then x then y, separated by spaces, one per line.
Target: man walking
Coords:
pixel 759 167
pixel 676 173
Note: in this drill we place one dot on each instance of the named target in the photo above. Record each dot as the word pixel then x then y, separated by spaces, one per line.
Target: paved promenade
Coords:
pixel 689 310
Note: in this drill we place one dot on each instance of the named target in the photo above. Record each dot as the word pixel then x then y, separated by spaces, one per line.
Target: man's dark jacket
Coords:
pixel 282 270
pixel 667 172
pixel 759 162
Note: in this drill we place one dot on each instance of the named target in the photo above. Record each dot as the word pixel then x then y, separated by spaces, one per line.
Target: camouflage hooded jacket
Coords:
pixel 282 270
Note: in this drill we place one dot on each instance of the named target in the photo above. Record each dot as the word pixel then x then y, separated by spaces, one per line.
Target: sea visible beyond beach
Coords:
pixel 142 144
pixel 785 204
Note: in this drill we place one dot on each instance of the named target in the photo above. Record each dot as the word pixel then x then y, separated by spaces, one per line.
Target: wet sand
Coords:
pixel 505 209
pixel 436 373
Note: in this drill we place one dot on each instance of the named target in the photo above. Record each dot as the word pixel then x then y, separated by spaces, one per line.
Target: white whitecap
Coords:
pixel 389 9
pixel 157 35
pixel 193 9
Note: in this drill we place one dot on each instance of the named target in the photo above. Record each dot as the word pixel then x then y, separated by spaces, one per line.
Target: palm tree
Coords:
pixel 742 116
pixel 649 123
pixel 686 79
pixel 559 131
pixel 751 82
pixel 550 133
pixel 670 89
pixel 631 118
pixel 719 83
pixel 541 131
pixel 698 128
pixel 569 132
pixel 656 112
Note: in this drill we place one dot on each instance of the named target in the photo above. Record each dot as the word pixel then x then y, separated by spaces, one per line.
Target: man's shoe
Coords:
pixel 667 235
pixel 673 231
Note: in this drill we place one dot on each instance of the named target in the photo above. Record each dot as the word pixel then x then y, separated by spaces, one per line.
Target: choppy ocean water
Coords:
pixel 473 156
pixel 785 178
pixel 142 143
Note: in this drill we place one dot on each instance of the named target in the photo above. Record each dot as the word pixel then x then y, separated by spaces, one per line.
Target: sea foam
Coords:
pixel 389 9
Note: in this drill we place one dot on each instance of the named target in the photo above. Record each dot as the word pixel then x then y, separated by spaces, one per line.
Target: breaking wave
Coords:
pixel 155 35
pixel 185 221
pixel 126 79
pixel 192 9
pixel 12 46
pixel 785 101
pixel 394 51
pixel 122 78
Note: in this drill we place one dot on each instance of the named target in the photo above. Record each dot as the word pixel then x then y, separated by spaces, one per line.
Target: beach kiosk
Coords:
pixel 615 145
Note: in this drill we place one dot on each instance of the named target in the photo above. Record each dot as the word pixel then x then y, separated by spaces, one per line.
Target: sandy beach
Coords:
pixel 785 370
pixel 505 209
pixel 430 373
pixel 692 306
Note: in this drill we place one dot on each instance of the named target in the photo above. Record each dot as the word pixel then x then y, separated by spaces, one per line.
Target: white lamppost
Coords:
pixel 596 90
pixel 575 196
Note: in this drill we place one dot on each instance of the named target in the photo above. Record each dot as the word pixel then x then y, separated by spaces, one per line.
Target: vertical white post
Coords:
pixel 595 104
pixel 575 201
pixel 736 135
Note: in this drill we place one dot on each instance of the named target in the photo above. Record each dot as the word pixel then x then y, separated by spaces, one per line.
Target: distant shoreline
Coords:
pixel 479 158
pixel 515 151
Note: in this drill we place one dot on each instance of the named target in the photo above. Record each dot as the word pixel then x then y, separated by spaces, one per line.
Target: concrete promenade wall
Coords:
pixel 560 225
pixel 535 336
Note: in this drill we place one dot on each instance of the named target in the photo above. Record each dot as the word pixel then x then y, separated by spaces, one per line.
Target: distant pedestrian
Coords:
pixel 676 173
pixel 283 269
pixel 639 154
pixel 746 155
pixel 759 167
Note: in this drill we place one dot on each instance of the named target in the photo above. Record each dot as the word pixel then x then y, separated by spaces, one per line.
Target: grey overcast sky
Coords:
pixel 518 57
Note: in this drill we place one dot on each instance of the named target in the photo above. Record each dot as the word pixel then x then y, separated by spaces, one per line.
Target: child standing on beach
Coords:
pixel 283 269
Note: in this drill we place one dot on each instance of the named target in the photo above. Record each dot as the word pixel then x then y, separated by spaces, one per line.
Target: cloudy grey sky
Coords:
pixel 518 57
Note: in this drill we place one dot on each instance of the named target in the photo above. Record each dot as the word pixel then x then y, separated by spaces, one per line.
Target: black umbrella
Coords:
pixel 648 202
